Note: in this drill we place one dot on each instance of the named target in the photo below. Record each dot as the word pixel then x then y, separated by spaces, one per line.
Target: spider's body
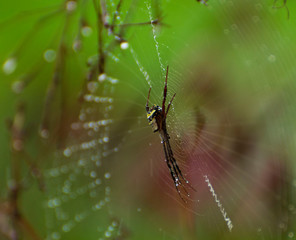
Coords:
pixel 156 117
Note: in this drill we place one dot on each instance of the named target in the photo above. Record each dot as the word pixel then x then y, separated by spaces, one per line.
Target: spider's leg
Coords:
pixel 176 182
pixel 176 169
pixel 165 89
pixel 169 105
pixel 147 103
pixel 175 165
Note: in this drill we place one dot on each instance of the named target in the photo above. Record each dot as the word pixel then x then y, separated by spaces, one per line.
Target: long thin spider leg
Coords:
pixel 117 30
pixel 176 168
pixel 174 162
pixel 165 90
pixel 169 105
pixel 147 103
pixel 122 25
pixel 171 170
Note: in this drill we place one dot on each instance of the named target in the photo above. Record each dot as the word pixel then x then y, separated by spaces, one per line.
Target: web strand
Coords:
pixel 219 204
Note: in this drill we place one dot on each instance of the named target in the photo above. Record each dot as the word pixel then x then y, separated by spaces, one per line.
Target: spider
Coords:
pixel 157 119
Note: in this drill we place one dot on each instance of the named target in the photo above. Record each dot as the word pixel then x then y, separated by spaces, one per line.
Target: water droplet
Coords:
pixel 76 46
pixel 107 190
pixel 55 235
pixel 290 234
pixel 52 203
pixel 82 117
pixel 66 190
pixel 108 234
pixel 111 228
pixel 86 31
pixel 114 224
pixel 81 163
pixel 66 228
pixel 92 86
pixel 71 6
pixel 282 225
pixel 78 218
pixel 98 163
pixel 102 77
pixel 67 152
pixel 97 206
pixel 49 55
pixel 98 181
pixel 271 58
pixel 93 174
pixel 124 45
pixel 9 66
pixel 44 133
pixel 18 86
pixel 113 80
pixel 107 175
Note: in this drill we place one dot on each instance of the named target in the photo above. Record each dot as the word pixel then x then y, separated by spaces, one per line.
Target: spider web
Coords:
pixel 80 176
pixel 231 124
pixel 222 122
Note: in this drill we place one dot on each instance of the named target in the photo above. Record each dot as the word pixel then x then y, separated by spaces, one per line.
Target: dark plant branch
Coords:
pixel 10 208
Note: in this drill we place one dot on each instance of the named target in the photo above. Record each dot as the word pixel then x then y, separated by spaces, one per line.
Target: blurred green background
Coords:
pixel 79 160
